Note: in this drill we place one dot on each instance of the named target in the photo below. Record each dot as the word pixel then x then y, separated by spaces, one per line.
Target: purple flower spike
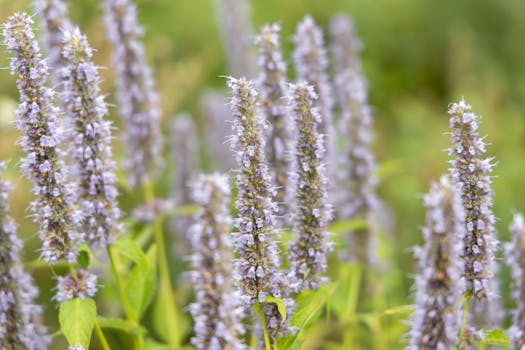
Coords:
pixel 311 64
pixel 516 261
pixel 184 144
pixel 345 45
pixel 87 110
pixel 272 84
pixel 20 317
pixel 471 173
pixel 234 19
pixel 258 262
pixel 309 251
pixel 54 20
pixel 357 196
pixel 37 118
pixel 217 310
pixel 436 320
pixel 138 102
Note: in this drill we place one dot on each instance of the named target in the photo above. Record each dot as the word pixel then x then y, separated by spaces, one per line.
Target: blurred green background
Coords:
pixel 418 56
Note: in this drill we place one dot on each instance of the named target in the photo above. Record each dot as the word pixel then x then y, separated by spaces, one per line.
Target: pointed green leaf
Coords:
pixel 340 227
pixel 401 309
pixel 307 310
pixel 494 337
pixel 135 290
pixel 141 284
pixel 150 287
pixel 84 257
pixel 129 249
pixel 77 318
pixel 120 324
pixel 280 306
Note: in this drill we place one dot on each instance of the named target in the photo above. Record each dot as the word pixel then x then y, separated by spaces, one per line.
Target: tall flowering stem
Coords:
pixel 516 261
pixel 234 19
pixel 258 262
pixel 184 144
pixel 436 319
pixel 185 149
pixel 272 84
pixel 54 20
pixel 87 110
pixel 138 102
pixel 20 317
pixel 309 251
pixel 357 180
pixel 471 172
pixel 217 310
pixel 311 64
pixel 216 128
pixel 345 45
pixel 37 118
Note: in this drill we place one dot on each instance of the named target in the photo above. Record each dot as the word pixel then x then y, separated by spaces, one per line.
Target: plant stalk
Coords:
pixel 103 341
pixel 165 280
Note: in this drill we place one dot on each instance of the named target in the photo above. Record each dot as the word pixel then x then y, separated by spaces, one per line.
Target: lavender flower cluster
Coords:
pixel 311 64
pixel 138 102
pixel 272 84
pixel 54 20
pixel 257 267
pixel 284 153
pixel 516 261
pixel 356 161
pixel 37 118
pixel 217 310
pixel 82 284
pixel 309 251
pixel 471 173
pixel 184 151
pixel 20 317
pixel 258 262
pixel 436 319
pixel 233 17
pixel 345 45
pixel 87 110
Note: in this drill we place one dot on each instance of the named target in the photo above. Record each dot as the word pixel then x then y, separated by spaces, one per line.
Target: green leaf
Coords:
pixel 130 249
pixel 340 227
pixel 120 324
pixel 84 257
pixel 344 300
pixel 150 344
pixel 494 337
pixel 307 310
pixel 141 283
pixel 151 277
pixel 401 309
pixel 77 318
pixel 280 306
pixel 136 291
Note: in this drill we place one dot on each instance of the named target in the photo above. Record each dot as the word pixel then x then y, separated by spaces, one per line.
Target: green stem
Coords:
pixel 165 280
pixel 379 306
pixel 138 341
pixel 259 311
pixel 120 285
pixel 465 316
pixel 351 304
pixel 72 272
pixel 103 341
pixel 253 341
